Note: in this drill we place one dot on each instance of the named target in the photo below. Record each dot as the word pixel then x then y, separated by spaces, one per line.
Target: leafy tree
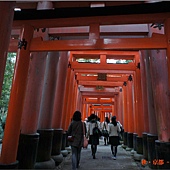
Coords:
pixel 6 89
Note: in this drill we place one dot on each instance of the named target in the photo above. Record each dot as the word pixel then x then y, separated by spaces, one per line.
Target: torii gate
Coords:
pixel 93 43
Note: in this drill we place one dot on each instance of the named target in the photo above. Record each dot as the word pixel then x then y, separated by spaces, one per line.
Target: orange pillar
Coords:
pixel 160 88
pixel 89 109
pixel 144 86
pixel 120 107
pixel 130 106
pixel 60 88
pixel 6 19
pixel 116 105
pixel 66 97
pixel 69 102
pixel 79 101
pixel 16 103
pixel 34 88
pixel 140 116
pixel 135 104
pixel 47 101
pixel 113 108
pixel 125 116
pixel 33 93
pixel 84 112
pixel 74 96
pixel 166 134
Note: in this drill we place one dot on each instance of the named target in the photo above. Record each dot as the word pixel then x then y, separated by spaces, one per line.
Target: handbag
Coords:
pixel 85 142
pixel 96 131
pixel 105 132
pixel 70 138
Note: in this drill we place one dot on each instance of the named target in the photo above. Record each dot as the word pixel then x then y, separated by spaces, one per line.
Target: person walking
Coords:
pixel 105 133
pixel 75 129
pixel 93 139
pixel 114 128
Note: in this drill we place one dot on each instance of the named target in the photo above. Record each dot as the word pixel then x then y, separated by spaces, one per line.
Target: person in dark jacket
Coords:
pixel 76 129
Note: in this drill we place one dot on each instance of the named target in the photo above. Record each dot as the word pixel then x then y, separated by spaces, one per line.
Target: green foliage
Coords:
pixel 3 115
pixel 6 89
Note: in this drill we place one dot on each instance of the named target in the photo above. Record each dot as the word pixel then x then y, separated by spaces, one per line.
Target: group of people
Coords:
pixel 76 129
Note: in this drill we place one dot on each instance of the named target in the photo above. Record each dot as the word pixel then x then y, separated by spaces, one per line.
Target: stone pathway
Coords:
pixel 104 160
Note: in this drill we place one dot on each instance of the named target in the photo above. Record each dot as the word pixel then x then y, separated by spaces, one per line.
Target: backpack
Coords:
pixel 96 131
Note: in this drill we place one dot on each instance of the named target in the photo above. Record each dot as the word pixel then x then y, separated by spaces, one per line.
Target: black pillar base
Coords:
pixel 125 138
pixel 50 164
pixel 162 154
pixel 145 146
pixel 134 141
pixel 44 160
pixel 64 138
pixel 130 140
pixel 58 159
pixel 9 166
pixel 56 146
pixel 57 141
pixel 27 150
pixel 151 149
pixel 67 145
pixel 139 145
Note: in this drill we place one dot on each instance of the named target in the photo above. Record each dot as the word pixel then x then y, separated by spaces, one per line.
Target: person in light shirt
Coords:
pixel 93 140
pixel 104 126
pixel 114 129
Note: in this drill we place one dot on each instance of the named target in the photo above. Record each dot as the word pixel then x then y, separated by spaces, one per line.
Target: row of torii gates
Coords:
pixel 49 85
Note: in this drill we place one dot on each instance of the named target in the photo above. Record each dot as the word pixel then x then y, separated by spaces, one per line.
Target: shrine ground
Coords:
pixel 104 160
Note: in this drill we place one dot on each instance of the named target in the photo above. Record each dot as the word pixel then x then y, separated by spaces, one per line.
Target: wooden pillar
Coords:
pixel 60 90
pixel 6 20
pixel 66 97
pixel 89 109
pixel 113 109
pixel 34 89
pixel 149 93
pixel 47 101
pixel 84 112
pixel 69 102
pixel 116 105
pixel 81 103
pixel 162 98
pixel 16 103
pixel 160 88
pixel 130 106
pixel 160 84
pixel 144 92
pixel 139 99
pixel 78 100
pixel 120 107
pixel 135 104
pixel 166 134
pixel 125 116
pixel 74 96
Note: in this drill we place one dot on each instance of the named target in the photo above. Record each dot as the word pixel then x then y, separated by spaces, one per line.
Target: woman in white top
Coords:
pixel 113 129
pixel 104 126
pixel 93 139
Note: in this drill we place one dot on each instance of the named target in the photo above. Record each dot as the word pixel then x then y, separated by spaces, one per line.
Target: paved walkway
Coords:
pixel 104 160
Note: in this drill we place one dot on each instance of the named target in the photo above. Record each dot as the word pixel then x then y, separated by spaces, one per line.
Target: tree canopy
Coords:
pixel 6 90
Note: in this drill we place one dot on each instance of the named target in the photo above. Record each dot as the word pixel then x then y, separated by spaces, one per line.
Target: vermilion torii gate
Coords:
pixel 157 44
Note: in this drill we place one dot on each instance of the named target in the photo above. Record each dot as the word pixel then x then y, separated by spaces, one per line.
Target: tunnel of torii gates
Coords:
pixel 46 90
